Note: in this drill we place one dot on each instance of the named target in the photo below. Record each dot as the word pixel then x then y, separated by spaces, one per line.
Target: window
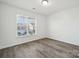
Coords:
pixel 26 26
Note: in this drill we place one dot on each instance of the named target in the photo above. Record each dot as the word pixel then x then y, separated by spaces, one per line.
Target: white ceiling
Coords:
pixel 53 6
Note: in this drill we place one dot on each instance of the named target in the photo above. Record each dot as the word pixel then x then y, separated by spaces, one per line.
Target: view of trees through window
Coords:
pixel 25 26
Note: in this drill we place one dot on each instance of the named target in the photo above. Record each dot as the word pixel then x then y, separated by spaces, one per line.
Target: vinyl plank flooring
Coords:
pixel 43 48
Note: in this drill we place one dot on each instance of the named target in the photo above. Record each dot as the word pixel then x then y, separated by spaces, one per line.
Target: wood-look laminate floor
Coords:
pixel 44 48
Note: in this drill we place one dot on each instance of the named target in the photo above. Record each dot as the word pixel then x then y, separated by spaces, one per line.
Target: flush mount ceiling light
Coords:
pixel 44 2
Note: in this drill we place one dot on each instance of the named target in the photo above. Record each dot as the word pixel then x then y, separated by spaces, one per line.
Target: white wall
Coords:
pixel 8 26
pixel 64 26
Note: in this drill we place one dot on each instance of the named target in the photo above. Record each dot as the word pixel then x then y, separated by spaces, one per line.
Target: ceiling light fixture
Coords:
pixel 44 2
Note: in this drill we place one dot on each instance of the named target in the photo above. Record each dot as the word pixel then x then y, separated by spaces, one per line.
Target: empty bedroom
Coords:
pixel 39 28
